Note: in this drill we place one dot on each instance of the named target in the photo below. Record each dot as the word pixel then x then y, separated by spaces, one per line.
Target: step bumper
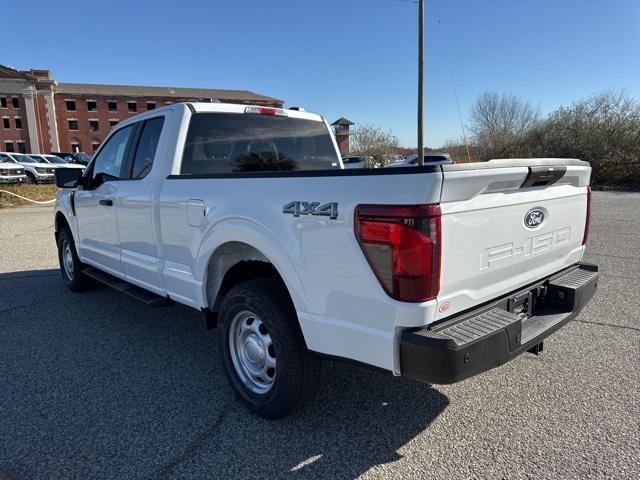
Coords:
pixel 492 335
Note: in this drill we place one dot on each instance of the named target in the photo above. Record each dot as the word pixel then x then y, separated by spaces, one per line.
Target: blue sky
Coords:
pixel 352 58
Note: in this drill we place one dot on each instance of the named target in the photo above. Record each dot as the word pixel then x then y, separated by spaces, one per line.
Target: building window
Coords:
pixel 8 147
pixel 113 123
pixel 132 106
pixel 75 147
pixel 22 147
pixel 15 102
pixel 18 121
pixel 71 105
pixel 3 102
pixel 5 122
pixel 73 124
pixel 94 146
pixel 112 106
pixel 151 105
pixel 92 106
pixel 93 126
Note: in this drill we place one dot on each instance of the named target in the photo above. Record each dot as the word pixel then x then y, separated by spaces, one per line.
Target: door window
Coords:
pixel 146 149
pixel 108 164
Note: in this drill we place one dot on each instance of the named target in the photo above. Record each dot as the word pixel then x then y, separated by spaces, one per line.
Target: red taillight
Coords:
pixel 402 245
pixel 587 222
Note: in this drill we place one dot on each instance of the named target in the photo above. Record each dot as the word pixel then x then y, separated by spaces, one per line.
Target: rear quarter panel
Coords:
pixel 342 308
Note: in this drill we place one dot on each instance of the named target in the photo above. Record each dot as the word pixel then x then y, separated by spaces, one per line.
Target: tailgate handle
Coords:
pixel 543 176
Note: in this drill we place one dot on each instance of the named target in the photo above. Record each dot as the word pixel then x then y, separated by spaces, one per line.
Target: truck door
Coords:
pixel 136 211
pixel 99 244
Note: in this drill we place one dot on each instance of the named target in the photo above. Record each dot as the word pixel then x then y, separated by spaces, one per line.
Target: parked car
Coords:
pixel 10 172
pixel 36 171
pixel 245 213
pixel 55 161
pixel 353 161
pixel 430 158
pixel 74 157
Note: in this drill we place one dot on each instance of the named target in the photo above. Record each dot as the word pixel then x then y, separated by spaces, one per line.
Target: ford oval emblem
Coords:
pixel 534 218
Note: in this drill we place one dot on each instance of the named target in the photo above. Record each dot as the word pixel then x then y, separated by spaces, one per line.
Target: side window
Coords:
pixel 108 163
pixel 146 149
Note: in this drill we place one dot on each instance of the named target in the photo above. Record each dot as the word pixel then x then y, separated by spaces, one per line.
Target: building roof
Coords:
pixel 177 92
pixel 7 71
pixel 343 121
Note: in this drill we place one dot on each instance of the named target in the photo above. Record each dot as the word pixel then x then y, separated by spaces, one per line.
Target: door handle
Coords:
pixel 106 202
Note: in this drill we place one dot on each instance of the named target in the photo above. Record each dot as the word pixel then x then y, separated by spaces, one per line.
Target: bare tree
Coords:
pixel 372 141
pixel 499 122
pixel 603 129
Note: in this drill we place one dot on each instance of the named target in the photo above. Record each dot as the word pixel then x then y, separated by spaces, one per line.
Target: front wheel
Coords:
pixel 31 179
pixel 263 351
pixel 70 265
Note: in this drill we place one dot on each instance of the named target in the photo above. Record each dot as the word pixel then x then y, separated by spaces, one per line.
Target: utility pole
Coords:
pixel 420 80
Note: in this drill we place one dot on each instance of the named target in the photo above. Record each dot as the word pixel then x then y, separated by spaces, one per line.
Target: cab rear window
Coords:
pixel 222 143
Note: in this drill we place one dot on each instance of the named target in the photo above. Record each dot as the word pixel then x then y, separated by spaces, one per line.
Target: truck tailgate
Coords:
pixel 508 223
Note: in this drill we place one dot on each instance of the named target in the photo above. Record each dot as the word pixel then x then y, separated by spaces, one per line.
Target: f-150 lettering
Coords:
pixel 531 246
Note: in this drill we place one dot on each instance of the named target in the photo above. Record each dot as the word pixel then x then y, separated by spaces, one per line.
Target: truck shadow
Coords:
pixel 98 385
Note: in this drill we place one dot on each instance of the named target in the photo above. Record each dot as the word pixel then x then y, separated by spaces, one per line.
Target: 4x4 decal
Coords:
pixel 311 208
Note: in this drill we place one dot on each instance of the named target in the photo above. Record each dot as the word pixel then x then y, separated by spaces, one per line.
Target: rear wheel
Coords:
pixel 263 351
pixel 70 265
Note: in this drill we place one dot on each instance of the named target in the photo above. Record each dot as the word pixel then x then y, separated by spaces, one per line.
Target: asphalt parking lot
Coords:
pixel 96 385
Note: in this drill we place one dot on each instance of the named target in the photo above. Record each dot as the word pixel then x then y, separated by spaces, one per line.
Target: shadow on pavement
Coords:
pixel 98 385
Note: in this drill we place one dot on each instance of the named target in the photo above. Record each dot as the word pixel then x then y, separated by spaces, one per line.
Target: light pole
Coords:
pixel 420 80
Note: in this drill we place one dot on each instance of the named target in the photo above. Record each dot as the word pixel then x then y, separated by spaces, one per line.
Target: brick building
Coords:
pixel 40 115
pixel 342 133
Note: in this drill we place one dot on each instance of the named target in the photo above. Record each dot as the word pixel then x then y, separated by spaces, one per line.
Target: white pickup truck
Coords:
pixel 10 172
pixel 36 170
pixel 434 273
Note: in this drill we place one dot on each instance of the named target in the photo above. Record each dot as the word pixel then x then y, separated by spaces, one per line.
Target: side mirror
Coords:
pixel 67 177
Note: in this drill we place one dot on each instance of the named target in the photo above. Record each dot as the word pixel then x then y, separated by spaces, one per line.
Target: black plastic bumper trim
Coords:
pixel 487 337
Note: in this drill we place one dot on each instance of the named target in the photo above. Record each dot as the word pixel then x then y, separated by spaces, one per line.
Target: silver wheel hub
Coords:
pixel 252 352
pixel 67 259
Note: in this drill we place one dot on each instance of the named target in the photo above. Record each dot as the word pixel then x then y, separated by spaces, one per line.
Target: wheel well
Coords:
pixel 233 263
pixel 247 270
pixel 241 272
pixel 60 223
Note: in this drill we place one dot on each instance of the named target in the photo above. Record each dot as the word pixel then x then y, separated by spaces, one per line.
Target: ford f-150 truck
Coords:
pixel 10 172
pixel 35 170
pixel 434 273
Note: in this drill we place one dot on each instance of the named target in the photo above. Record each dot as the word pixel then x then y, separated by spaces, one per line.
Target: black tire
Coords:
pixel 297 372
pixel 72 275
pixel 31 179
